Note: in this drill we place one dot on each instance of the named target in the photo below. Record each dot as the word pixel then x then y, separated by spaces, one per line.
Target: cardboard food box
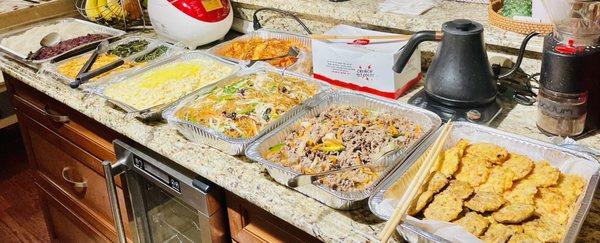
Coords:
pixel 364 65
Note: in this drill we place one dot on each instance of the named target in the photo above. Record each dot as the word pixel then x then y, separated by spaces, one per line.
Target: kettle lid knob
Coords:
pixel 463 24
pixel 462 27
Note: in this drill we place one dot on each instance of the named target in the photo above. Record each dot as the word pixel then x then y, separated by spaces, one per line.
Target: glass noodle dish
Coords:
pixel 343 136
pixel 243 107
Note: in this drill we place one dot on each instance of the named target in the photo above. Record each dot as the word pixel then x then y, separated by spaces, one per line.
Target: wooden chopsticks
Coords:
pixel 367 37
pixel 407 198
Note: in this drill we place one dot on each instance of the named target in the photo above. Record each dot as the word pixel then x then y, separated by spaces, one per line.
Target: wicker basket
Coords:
pixel 514 25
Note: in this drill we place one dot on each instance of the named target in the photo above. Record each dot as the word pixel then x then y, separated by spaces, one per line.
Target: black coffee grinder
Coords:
pixel 460 84
pixel 569 96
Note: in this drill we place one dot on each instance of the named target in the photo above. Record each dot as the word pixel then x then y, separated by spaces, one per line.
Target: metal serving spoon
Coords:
pixel 292 52
pixel 49 40
pixel 305 179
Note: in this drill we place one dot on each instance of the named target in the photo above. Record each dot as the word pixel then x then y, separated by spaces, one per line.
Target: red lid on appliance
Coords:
pixel 569 48
pixel 204 10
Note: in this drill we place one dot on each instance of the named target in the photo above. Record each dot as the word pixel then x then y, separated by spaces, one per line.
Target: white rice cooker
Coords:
pixel 191 22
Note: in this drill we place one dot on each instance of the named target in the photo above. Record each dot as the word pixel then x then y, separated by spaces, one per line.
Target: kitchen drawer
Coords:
pixel 66 167
pixel 65 225
pixel 87 133
pixel 249 223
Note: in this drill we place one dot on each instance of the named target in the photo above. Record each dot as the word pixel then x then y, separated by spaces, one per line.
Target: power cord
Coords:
pixel 522 91
pixel 256 23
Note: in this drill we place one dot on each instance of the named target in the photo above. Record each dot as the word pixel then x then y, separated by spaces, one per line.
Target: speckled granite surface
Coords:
pixel 321 15
pixel 249 180
pixel 366 13
pixel 12 5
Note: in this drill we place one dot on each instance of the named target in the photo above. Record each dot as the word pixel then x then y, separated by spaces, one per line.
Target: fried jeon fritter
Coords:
pixel 473 170
pixel 498 233
pixel 550 203
pixel 514 213
pixel 485 202
pixel 437 182
pixel 444 207
pixel 570 187
pixel 543 175
pixel 487 151
pixel 519 165
pixel 459 189
pixel 452 158
pixel 474 223
pixel 500 180
pixel 522 238
pixel 422 201
pixel 544 229
pixel 522 192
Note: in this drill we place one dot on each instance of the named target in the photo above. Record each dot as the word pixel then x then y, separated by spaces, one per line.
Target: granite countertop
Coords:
pixel 249 180
pixel 14 5
pixel 366 12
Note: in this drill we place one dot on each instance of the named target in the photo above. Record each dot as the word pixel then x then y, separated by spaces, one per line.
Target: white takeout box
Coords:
pixel 364 67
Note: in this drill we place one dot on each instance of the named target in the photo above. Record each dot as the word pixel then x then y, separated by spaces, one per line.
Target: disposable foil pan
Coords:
pixel 427 120
pixel 52 68
pixel 302 65
pixel 233 146
pixel 534 149
pixel 99 29
pixel 154 113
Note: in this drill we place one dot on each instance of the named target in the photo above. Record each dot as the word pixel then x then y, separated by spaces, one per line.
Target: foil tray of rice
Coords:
pixel 342 129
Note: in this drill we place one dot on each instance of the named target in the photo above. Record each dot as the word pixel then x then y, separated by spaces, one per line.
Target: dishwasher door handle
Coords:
pixel 110 171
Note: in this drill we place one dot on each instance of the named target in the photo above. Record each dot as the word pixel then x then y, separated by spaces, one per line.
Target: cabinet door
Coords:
pixel 65 225
pixel 60 167
pixel 249 223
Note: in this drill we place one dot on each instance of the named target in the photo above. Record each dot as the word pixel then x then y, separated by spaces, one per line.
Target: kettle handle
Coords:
pixel 412 45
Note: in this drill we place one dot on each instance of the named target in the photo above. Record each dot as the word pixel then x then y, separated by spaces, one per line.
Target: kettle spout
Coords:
pixel 412 45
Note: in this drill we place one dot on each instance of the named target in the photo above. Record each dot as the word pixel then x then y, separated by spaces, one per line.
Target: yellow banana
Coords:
pixel 91 9
pixel 105 11
pixel 115 7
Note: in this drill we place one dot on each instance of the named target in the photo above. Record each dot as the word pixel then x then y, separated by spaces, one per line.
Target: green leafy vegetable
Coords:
pixel 124 50
pixel 153 54
pixel 276 148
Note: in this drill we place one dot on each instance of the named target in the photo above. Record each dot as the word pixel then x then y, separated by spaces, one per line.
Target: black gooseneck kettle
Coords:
pixel 460 74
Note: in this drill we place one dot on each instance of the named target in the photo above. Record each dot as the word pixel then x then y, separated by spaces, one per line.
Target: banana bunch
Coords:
pixel 104 10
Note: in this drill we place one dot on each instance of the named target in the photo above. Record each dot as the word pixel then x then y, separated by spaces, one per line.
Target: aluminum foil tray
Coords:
pixel 537 150
pixel 302 65
pixel 115 33
pixel 428 121
pixel 52 68
pixel 233 146
pixel 154 113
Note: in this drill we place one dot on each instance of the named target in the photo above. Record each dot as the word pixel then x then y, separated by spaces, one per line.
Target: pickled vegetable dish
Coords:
pixel 259 48
pixel 71 68
pixel 248 104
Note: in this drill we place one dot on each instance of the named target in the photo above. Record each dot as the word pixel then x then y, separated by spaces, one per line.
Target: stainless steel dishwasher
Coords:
pixel 165 202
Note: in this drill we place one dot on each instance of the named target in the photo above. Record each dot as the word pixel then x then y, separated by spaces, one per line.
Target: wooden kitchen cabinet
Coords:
pixel 249 223
pixel 66 148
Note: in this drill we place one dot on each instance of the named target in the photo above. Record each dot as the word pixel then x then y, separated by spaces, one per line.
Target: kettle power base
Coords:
pixel 480 115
